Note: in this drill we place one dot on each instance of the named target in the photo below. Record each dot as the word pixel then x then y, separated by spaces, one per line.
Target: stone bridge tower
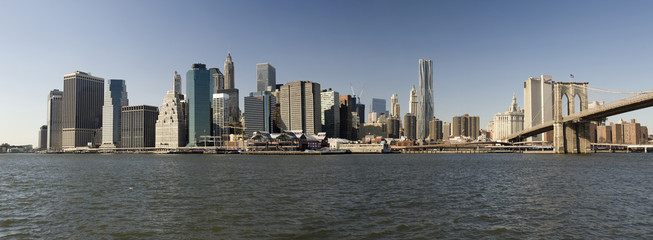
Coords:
pixel 571 136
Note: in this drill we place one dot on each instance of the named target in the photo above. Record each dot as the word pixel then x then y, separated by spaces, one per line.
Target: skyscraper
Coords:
pixel 266 77
pixel 138 126
pixel 300 105
pixel 55 120
pixel 346 117
pixel 378 106
pixel 217 79
pixel 409 126
pixel 330 112
pixel 199 103
pixel 466 126
pixel 538 104
pixel 425 98
pixel 114 100
pixel 435 130
pixel 171 125
pixel 221 113
pixel 83 97
pixel 258 112
pixel 176 84
pixel 394 106
pixel 229 82
pixel 412 102
pixel 43 137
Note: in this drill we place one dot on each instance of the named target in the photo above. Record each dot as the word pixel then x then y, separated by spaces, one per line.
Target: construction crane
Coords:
pixel 354 93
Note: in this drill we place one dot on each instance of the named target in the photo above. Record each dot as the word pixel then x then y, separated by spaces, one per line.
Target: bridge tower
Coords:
pixel 571 136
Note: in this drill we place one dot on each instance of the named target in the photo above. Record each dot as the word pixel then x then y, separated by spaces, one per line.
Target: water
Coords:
pixel 131 196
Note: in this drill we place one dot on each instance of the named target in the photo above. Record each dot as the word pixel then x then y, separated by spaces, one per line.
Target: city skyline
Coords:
pixel 489 53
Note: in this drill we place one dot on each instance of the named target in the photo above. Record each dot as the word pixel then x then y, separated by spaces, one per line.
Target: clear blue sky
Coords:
pixel 482 50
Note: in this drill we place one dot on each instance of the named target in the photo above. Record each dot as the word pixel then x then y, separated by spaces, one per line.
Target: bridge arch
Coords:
pixel 570 137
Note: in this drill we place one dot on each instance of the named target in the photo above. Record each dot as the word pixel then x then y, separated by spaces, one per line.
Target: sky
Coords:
pixel 482 51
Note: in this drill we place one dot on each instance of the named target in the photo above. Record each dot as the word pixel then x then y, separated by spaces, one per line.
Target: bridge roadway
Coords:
pixel 636 102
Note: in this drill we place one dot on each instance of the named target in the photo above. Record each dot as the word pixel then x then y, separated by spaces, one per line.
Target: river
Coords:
pixel 395 196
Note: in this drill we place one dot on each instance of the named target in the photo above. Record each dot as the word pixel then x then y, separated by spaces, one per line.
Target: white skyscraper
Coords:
pixel 425 98
pixel 412 102
pixel 394 106
pixel 114 100
pixel 538 104
pixel 330 101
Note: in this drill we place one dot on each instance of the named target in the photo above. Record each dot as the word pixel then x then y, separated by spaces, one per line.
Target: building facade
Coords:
pixel 221 114
pixel 412 101
pixel 43 137
pixel 446 130
pixel 509 122
pixel 330 112
pixel 378 106
pixel 55 120
pixel 266 77
pixel 425 98
pixel 199 103
pixel 138 126
pixel 300 104
pixel 83 97
pixel 435 130
pixel 176 83
pixel 229 76
pixel 114 100
pixel 171 126
pixel 410 122
pixel 538 104
pixel 394 106
pixel 466 126
pixel 217 78
pixel 259 111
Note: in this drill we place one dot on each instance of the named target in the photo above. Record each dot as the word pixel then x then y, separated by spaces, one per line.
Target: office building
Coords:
pixel 412 101
pixel 43 137
pixel 233 120
pixel 435 130
pixel 446 130
pixel 221 114
pixel 176 84
pixel 300 104
pixel 394 106
pixel 259 111
pixel 346 121
pixel 393 128
pixel 378 106
pixel 507 123
pixel 410 122
pixel 55 120
pixel 138 126
pixel 266 77
pixel 171 125
pixel 466 126
pixel 424 112
pixel 217 78
pixel 114 100
pixel 538 105
pixel 199 103
pixel 83 97
pixel 229 78
pixel 330 112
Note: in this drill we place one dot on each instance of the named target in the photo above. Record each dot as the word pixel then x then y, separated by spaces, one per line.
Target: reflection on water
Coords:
pixel 318 197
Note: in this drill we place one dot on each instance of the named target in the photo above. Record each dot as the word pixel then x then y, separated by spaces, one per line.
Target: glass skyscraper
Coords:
pixel 266 76
pixel 114 100
pixel 425 99
pixel 198 93
pixel 378 106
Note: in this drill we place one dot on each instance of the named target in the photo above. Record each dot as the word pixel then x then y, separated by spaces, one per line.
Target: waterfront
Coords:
pixel 416 196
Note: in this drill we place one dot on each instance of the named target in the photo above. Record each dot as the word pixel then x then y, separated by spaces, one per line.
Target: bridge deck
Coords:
pixel 628 104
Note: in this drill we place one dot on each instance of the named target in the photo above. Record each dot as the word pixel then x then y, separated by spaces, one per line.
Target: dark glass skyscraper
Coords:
pixel 83 97
pixel 378 106
pixel 55 119
pixel 198 92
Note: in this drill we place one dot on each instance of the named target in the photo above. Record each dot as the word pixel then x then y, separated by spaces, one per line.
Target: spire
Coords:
pixel 513 106
pixel 228 56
